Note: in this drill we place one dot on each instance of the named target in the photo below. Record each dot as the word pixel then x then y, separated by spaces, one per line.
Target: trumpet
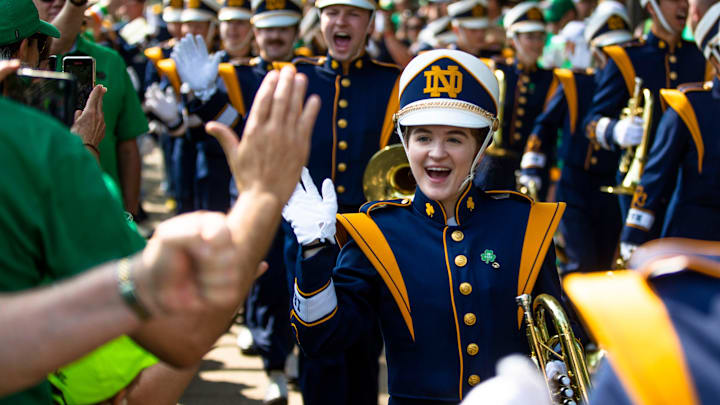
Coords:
pixel 387 175
pixel 569 384
pixel 632 163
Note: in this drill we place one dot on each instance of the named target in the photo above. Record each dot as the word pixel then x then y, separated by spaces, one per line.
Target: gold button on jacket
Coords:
pixel 340 189
pixel 473 380
pixel 457 236
pixel 472 349
pixel 342 145
pixel 345 82
pixel 469 319
pixel 460 260
pixel 342 167
pixel 343 103
pixel 342 123
pixel 465 288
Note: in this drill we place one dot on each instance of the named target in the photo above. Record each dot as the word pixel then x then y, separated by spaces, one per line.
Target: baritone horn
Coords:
pixel 569 384
pixel 387 175
pixel 632 163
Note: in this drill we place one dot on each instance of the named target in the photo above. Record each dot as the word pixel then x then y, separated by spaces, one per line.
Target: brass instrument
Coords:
pixel 387 175
pixel 564 389
pixel 496 148
pixel 632 163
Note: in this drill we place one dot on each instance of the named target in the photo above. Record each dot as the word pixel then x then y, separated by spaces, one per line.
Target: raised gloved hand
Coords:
pixel 311 216
pixel 628 131
pixel 163 104
pixel 195 67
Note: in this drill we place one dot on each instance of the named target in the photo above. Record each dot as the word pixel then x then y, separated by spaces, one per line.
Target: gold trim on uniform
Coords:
pixel 460 260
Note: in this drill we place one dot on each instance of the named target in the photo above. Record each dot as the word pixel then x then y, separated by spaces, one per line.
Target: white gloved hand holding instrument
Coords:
pixel 195 66
pixel 163 104
pixel 311 215
pixel 628 131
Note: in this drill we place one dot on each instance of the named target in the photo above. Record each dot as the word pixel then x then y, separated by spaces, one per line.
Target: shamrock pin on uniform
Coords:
pixel 488 256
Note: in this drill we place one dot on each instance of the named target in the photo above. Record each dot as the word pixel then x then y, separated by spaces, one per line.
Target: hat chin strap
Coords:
pixel 661 17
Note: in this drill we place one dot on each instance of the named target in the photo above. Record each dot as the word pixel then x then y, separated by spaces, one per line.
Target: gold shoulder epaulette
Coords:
pixel 312 61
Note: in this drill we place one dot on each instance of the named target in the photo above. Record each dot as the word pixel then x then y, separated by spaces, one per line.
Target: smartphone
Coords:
pixel 83 69
pixel 51 92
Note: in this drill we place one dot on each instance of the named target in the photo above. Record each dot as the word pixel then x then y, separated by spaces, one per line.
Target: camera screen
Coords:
pixel 53 93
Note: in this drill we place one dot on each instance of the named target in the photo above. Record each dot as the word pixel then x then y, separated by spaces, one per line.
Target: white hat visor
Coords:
pixel 275 18
pixel 234 13
pixel 527 26
pixel 472 23
pixel 172 15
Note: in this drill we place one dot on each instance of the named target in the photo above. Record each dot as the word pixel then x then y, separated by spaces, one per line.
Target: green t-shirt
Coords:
pixel 124 118
pixel 57 217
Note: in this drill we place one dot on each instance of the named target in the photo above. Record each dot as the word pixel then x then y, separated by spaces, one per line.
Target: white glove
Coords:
pixel 530 181
pixel 312 217
pixel 195 67
pixel 626 250
pixel 518 382
pixel 628 131
pixel 163 104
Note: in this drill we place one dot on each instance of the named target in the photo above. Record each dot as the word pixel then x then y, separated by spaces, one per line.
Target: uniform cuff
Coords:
pixel 313 307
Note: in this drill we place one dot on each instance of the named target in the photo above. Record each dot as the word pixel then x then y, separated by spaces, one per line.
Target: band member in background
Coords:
pixel 682 166
pixel 438 273
pixel 662 59
pixel 592 220
pixel 527 89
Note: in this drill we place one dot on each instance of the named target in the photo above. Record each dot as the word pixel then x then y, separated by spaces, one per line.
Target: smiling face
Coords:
pixel 440 158
pixel 344 29
pixel 233 34
pixel 470 40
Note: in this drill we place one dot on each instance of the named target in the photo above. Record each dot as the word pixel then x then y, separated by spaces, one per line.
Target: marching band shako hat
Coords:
pixel 235 10
pixel 172 10
pixel 608 25
pixel 706 32
pixel 448 87
pixel 364 4
pixel 469 14
pixel 200 10
pixel 525 17
pixel 276 13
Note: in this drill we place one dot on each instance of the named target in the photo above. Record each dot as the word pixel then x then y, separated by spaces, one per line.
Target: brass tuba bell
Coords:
pixel 387 175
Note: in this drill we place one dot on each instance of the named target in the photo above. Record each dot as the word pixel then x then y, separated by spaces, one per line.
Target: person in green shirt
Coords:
pixel 124 118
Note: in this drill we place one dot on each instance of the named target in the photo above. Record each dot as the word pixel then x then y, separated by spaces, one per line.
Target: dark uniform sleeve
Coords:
pixel 608 101
pixel 331 308
pixel 544 135
pixel 658 180
pixel 218 108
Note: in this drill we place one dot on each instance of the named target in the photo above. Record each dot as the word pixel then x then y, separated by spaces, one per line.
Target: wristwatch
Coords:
pixel 79 3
